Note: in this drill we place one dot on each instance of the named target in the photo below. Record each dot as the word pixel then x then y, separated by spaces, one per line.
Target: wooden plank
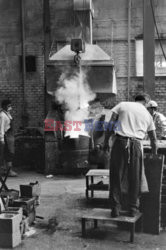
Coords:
pixel 160 144
pixel 98 172
pixel 151 202
pixel 105 215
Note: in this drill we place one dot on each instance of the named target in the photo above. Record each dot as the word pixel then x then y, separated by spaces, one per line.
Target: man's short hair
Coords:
pixel 5 103
pixel 143 97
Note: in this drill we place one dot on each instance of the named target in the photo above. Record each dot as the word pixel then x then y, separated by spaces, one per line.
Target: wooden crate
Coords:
pixel 151 201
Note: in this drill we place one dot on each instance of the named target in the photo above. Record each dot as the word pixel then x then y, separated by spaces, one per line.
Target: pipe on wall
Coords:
pixel 47 44
pixel 90 25
pixel 129 50
pixel 22 8
pixel 148 47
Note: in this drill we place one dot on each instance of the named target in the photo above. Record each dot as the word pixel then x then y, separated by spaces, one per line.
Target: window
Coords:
pixel 160 62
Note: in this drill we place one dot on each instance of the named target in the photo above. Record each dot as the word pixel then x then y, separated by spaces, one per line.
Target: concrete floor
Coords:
pixel 62 202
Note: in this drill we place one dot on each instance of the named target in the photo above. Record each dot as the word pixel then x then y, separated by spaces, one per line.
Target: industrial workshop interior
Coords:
pixel 83 124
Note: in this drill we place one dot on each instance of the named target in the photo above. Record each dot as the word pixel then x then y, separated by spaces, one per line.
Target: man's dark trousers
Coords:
pixel 125 171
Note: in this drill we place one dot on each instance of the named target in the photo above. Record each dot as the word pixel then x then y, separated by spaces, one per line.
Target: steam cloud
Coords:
pixel 75 93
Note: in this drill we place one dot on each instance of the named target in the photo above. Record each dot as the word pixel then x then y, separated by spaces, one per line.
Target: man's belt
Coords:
pixel 126 137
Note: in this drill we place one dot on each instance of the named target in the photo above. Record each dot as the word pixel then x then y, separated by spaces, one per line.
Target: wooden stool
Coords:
pixel 105 215
pixel 91 186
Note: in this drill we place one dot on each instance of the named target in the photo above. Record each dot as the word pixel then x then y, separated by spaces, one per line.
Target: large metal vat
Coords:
pixel 74 155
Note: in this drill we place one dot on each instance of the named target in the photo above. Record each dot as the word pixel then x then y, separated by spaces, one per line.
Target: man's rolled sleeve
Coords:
pixel 116 109
pixel 151 126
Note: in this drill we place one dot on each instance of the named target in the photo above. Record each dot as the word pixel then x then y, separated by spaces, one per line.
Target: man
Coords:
pixel 134 121
pixel 159 120
pixel 6 137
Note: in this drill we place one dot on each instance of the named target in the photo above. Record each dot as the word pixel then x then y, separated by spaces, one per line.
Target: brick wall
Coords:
pixel 11 85
pixel 160 94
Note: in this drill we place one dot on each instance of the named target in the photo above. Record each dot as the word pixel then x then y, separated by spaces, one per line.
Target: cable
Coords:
pixel 154 19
